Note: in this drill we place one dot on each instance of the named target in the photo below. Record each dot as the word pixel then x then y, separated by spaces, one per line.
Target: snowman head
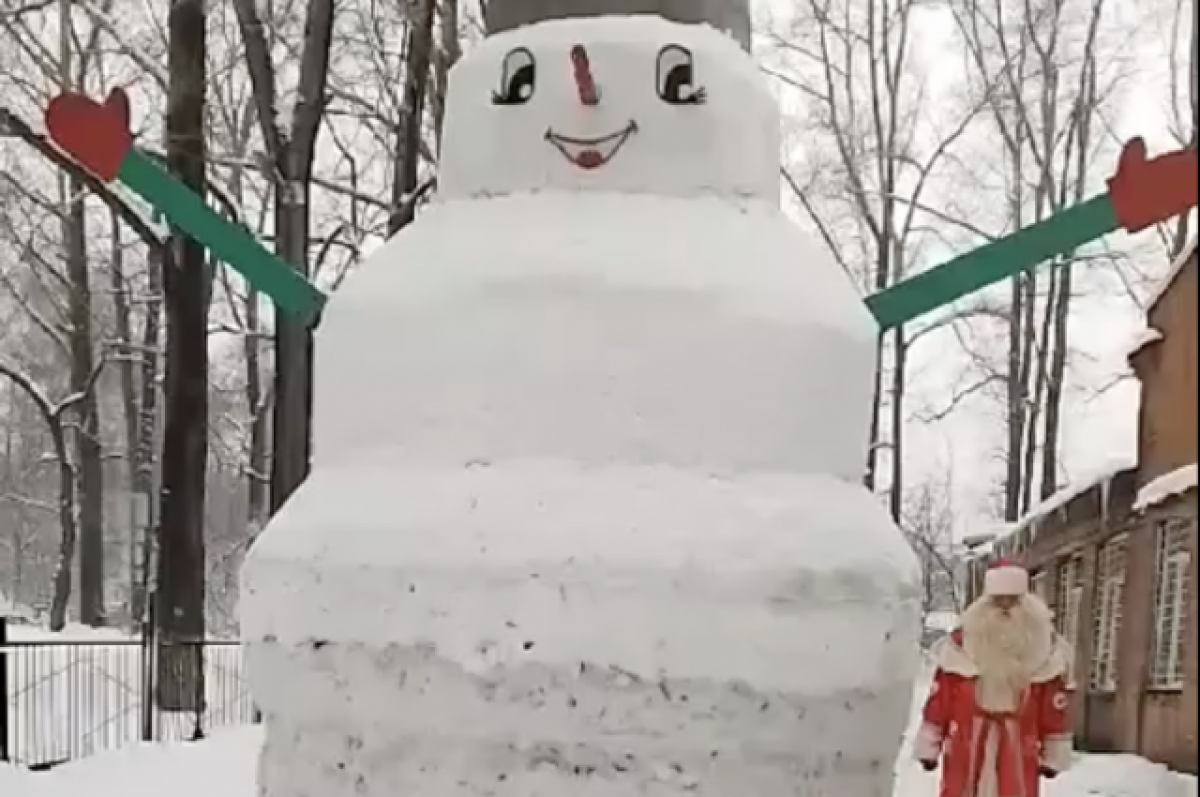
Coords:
pixel 613 104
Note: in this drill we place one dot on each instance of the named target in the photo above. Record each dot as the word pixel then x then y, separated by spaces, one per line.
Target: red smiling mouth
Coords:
pixel 591 153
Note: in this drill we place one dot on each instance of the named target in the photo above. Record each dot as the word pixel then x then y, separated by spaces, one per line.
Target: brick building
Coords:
pixel 1116 559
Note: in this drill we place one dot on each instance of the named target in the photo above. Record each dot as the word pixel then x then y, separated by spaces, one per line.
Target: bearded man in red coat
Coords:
pixel 998 710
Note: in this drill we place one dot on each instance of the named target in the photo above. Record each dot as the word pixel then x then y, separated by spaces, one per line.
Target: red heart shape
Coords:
pixel 95 135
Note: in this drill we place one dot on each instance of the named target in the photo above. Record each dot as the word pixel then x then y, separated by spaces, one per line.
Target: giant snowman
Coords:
pixel 586 516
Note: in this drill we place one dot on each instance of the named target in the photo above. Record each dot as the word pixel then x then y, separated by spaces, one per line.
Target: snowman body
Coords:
pixel 585 516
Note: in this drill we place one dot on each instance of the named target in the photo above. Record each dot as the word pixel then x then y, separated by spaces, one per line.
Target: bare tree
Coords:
pixel 854 64
pixel 1039 67
pixel 66 302
pixel 290 153
pixel 444 57
pixel 1185 103
pixel 928 524
pixel 74 231
pixel 179 591
pixel 417 62
pixel 55 413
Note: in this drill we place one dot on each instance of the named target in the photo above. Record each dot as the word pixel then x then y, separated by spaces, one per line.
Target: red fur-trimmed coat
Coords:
pixel 973 744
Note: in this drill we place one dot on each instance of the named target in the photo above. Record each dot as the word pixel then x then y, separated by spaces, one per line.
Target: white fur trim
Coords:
pixel 1057 752
pixel 1008 580
pixel 928 744
pixel 950 657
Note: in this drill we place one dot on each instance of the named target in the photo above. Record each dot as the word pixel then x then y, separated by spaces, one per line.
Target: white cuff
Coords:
pixel 1057 752
pixel 928 744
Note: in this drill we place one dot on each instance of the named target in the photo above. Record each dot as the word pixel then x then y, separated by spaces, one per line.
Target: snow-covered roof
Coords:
pixel 1167 486
pixel 1187 253
pixel 1101 478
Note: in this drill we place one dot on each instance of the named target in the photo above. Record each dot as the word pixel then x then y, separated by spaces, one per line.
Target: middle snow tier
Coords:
pixel 599 329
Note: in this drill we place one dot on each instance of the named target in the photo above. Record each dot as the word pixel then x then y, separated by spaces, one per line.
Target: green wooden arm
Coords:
pixel 1142 193
pixel 98 137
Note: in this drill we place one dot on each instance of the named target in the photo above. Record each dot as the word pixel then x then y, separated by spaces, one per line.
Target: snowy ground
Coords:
pixel 80 692
pixel 225 765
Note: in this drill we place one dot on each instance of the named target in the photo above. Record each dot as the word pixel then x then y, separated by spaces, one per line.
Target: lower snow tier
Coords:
pixel 541 629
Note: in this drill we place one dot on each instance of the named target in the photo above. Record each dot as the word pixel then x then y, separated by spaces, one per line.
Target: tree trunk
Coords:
pixel 147 434
pixel 899 377
pixel 1057 372
pixel 871 470
pixel 124 344
pixel 61 596
pixel 445 56
pixel 291 412
pixel 1041 388
pixel 1060 339
pixel 123 316
pixel 258 453
pixel 179 609
pixel 291 155
pixel 87 438
pixel 408 144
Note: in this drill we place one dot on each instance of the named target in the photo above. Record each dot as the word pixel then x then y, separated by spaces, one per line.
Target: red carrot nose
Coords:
pixel 583 76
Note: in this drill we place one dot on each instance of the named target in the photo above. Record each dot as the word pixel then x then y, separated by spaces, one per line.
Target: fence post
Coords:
pixel 4 751
pixel 148 667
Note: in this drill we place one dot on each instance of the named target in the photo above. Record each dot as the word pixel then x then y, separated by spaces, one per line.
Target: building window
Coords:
pixel 1110 588
pixel 1170 604
pixel 1070 596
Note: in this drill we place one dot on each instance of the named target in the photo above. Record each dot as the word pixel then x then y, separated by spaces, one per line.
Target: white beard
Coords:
pixel 1006 649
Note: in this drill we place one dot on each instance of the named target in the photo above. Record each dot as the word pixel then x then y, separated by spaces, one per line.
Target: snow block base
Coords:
pixel 547 630
pixel 587 731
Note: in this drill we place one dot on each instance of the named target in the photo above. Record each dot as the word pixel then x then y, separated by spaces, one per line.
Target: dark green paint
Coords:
pixel 1023 250
pixel 229 242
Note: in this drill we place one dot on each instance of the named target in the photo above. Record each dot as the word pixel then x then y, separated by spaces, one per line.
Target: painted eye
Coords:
pixel 676 78
pixel 517 79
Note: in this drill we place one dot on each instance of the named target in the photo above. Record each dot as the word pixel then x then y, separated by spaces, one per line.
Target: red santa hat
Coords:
pixel 1006 578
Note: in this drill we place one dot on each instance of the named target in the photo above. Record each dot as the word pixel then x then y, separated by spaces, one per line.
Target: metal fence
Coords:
pixel 63 699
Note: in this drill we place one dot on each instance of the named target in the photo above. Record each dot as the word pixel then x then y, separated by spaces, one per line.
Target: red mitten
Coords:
pixel 95 135
pixel 1146 192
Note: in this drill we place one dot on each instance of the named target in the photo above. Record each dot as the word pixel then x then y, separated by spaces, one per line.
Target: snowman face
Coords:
pixel 631 104
pixel 675 83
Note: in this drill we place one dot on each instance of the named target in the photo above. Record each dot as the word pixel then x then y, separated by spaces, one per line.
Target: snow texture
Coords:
pixel 585 516
pixel 1143 339
pixel 727 146
pixel 1165 487
pixel 542 629
pixel 225 766
pixel 599 328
